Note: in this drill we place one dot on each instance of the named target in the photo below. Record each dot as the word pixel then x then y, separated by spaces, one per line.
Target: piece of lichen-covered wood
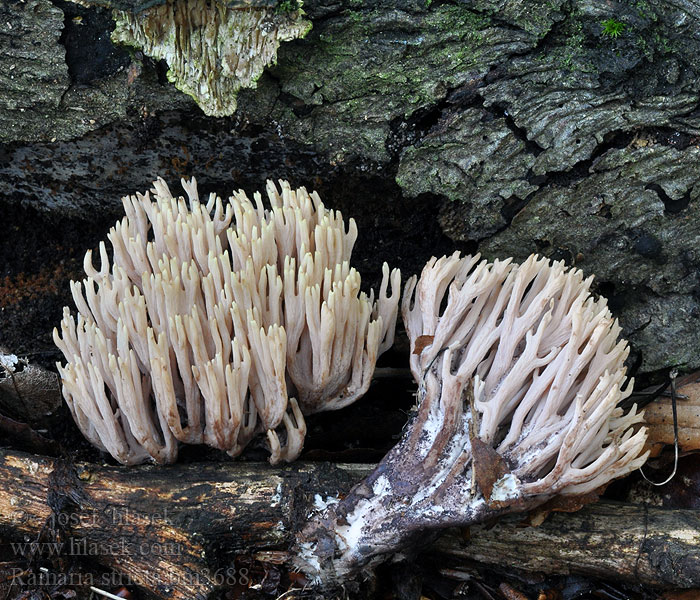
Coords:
pixel 185 520
pixel 160 526
pixel 610 540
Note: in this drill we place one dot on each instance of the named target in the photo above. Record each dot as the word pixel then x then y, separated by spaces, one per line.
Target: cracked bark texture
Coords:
pixel 501 126
pixel 184 542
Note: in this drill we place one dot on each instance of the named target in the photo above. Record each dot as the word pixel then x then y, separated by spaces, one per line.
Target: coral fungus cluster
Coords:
pixel 210 315
pixel 520 373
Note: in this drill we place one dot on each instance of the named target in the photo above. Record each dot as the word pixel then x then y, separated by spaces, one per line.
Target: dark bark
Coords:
pixel 509 126
pixel 634 543
pixel 176 530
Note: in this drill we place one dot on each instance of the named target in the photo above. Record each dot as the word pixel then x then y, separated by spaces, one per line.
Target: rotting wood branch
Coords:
pixel 207 511
pixel 162 527
pixel 608 540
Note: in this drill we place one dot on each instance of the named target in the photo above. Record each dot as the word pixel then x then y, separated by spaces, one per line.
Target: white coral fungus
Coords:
pixel 520 376
pixel 211 315
pixel 546 364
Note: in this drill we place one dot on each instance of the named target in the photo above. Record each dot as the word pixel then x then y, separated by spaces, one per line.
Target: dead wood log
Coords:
pixel 164 527
pixel 161 527
pixel 609 540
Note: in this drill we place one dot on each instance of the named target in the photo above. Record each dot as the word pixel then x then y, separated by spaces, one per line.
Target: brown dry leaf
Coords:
pixel 27 392
pixel 421 342
pixel 489 466
pixel 659 417
pixel 510 593
pixel 536 517
pixel 562 504
pixel 550 594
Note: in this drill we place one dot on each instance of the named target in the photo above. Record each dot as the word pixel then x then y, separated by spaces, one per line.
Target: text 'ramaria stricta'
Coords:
pixel 218 321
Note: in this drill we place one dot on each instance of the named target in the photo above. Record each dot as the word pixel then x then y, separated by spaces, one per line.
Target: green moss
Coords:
pixel 645 11
pixel 355 17
pixel 573 51
pixel 338 70
pixel 663 44
pixel 613 28
pixel 289 5
pixel 537 18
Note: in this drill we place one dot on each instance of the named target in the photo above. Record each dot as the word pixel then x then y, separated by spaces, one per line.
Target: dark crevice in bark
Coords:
pixel 513 205
pixel 405 132
pixel 668 136
pixel 90 54
pixel 612 140
pixel 671 206
pixel 579 171
pixel 501 112
pixel 298 106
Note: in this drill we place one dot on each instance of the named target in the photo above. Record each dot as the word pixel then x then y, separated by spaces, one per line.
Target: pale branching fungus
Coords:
pixel 213 48
pixel 211 315
pixel 520 373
